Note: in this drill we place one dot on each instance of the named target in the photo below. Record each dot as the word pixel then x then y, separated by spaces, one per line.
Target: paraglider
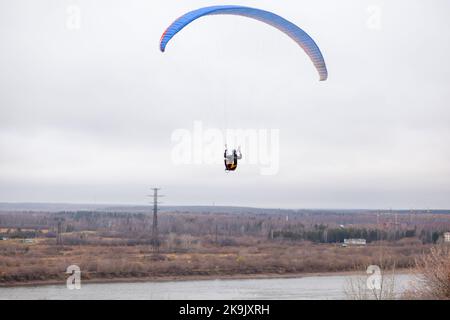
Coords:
pixel 287 27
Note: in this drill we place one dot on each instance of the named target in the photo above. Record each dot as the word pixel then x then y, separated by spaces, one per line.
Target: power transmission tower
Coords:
pixel 216 232
pixel 59 221
pixel 378 225
pixel 155 237
pixel 397 236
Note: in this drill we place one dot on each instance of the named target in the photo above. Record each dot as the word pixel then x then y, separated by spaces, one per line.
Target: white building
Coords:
pixel 355 242
pixel 447 237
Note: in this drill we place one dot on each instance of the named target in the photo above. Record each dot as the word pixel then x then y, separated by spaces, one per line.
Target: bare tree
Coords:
pixel 432 275
pixel 378 284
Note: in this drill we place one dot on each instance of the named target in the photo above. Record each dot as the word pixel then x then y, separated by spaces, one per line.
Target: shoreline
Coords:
pixel 192 278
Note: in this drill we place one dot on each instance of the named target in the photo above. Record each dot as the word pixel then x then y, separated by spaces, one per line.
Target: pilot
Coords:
pixel 231 159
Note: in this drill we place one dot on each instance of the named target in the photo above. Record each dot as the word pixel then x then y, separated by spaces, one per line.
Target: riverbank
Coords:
pixel 43 263
pixel 194 278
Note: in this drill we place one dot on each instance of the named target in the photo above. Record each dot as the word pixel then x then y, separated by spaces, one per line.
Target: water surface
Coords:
pixel 311 287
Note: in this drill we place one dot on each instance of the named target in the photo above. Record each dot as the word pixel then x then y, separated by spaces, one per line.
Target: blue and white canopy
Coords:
pixel 290 29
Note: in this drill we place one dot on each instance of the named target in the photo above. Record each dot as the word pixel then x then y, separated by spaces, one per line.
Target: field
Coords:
pixel 43 261
pixel 116 246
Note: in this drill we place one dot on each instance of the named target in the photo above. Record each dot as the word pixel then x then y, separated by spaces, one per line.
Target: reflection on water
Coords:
pixel 318 287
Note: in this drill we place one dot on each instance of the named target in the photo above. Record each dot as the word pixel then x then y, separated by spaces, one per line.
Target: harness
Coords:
pixel 231 166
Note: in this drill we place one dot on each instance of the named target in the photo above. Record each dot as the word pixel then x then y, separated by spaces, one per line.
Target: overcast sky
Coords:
pixel 87 110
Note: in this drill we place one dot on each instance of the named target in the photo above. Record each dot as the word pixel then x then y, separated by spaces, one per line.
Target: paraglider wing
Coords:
pixel 293 31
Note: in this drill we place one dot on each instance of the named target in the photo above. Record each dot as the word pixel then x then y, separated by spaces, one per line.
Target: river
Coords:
pixel 309 287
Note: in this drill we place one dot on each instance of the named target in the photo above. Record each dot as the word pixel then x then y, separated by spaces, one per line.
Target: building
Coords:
pixel 355 242
pixel 447 237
